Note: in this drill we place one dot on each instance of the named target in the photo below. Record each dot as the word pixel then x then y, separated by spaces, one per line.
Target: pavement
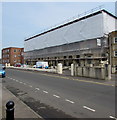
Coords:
pixel 21 109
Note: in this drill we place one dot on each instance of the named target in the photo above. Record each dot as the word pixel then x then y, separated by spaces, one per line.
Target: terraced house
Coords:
pixel 113 50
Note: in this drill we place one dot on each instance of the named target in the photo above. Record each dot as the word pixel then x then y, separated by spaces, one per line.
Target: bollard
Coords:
pixel 10 110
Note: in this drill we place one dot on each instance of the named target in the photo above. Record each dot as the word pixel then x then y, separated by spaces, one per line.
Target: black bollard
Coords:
pixel 10 110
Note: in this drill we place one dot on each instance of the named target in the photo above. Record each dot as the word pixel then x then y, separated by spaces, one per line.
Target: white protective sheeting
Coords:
pixel 89 28
pixel 109 23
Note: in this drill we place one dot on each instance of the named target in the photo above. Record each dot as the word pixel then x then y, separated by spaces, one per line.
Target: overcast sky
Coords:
pixel 21 20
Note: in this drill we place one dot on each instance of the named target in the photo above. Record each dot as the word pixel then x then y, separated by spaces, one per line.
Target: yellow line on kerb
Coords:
pixel 75 79
pixel 78 80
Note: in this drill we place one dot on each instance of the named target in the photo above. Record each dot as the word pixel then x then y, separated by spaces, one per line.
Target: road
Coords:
pixel 54 96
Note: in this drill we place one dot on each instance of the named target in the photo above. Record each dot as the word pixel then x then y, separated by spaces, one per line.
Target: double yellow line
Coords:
pixel 86 81
pixel 79 80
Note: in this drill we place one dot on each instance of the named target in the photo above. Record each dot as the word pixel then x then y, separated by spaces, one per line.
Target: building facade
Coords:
pixel 12 55
pixel 83 41
pixel 113 50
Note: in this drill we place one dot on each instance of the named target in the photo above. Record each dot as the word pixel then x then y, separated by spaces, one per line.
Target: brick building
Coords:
pixel 113 50
pixel 12 55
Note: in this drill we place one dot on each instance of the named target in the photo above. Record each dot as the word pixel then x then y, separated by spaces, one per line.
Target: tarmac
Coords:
pixel 21 110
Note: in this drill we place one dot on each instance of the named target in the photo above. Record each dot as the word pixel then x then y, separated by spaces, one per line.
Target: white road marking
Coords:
pixel 89 108
pixel 69 101
pixel 56 96
pixel 113 117
pixel 14 79
pixel 45 91
pixel 17 81
pixel 21 82
pixel 37 88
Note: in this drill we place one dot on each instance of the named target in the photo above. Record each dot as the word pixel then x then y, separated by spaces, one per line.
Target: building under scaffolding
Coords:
pixel 83 41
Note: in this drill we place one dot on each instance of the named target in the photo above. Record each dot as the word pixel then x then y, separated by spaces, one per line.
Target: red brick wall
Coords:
pixel 13 56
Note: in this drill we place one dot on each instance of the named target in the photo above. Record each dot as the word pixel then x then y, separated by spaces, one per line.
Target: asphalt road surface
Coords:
pixel 54 96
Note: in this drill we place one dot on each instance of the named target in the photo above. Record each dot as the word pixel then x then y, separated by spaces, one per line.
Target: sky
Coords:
pixel 21 20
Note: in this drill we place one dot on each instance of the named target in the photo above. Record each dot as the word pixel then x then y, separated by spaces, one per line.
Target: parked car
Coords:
pixel 2 71
pixel 3 66
pixel 34 66
pixel 42 64
pixel 18 65
pixel 24 65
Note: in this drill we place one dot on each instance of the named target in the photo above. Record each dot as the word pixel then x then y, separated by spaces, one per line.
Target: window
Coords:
pixel 14 50
pixel 88 61
pixel 15 55
pixel 115 40
pixel 19 50
pixel 70 56
pixel 115 53
pixel 14 60
pixel 116 67
pixel 19 55
pixel 3 51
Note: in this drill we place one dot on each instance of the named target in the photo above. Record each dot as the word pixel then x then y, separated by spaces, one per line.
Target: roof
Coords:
pixel 74 21
pixel 12 47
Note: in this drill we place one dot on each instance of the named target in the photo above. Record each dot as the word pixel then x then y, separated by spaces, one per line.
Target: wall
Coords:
pixel 93 72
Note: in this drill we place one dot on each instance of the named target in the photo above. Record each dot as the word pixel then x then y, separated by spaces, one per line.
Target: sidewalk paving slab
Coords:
pixel 21 109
